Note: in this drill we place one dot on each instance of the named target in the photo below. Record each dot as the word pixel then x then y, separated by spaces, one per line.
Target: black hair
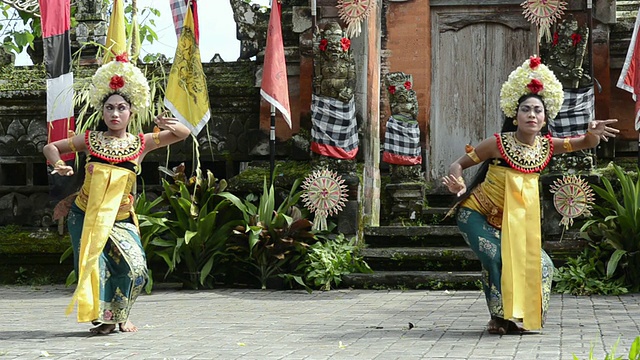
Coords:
pixel 507 126
pixel 106 97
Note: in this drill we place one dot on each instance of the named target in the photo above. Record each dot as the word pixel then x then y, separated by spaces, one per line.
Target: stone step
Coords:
pixel 421 259
pixel 436 280
pixel 413 236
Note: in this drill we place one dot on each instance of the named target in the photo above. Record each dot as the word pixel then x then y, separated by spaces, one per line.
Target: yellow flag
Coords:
pixel 116 34
pixel 186 94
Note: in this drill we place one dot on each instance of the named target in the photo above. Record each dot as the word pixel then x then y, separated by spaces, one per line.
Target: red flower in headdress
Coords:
pixel 117 82
pixel 576 38
pixel 323 45
pixel 535 86
pixel 407 85
pixel 534 61
pixel 556 38
pixel 346 44
pixel 122 57
pixel 392 89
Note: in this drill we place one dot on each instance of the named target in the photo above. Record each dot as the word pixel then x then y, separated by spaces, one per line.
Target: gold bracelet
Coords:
pixel 472 154
pixel 567 145
pixel 156 138
pixel 59 163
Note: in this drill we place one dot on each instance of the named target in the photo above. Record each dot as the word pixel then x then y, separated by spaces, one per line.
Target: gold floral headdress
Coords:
pixel 532 77
pixel 120 77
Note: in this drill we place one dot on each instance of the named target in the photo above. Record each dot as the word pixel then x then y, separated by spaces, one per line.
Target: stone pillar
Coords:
pixel 92 27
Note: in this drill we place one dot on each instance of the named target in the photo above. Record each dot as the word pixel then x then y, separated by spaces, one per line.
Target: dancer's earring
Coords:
pixel 544 123
pixel 515 122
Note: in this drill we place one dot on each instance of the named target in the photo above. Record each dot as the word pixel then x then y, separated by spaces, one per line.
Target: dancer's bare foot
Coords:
pixel 103 329
pixel 493 327
pixel 128 327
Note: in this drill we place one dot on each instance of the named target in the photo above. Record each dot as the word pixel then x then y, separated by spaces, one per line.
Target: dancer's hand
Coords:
pixel 166 123
pixel 62 169
pixel 600 129
pixel 455 184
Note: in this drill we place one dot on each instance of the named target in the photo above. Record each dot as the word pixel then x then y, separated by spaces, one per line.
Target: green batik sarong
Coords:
pixel 484 240
pixel 122 264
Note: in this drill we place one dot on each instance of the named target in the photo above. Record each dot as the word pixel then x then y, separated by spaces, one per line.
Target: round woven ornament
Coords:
pixel 572 197
pixel 353 12
pixel 325 194
pixel 543 13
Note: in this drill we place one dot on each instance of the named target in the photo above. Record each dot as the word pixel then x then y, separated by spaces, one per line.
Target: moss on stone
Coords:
pixel 23 78
pixel 252 179
pixel 15 240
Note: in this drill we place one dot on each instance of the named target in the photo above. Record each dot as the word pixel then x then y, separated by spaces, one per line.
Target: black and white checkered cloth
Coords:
pixel 402 138
pixel 578 109
pixel 334 123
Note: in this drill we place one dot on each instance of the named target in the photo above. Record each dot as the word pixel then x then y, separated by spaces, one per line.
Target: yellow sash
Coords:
pixel 108 186
pixel 521 244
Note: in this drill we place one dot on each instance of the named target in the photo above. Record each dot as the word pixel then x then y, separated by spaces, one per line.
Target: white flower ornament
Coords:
pixel 120 77
pixel 532 77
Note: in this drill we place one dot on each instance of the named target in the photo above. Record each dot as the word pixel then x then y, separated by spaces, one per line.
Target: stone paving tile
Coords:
pixel 340 324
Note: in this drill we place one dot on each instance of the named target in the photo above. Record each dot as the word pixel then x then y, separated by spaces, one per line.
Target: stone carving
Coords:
pixel 334 66
pixel 402 150
pixel 402 137
pixel 402 98
pixel 251 25
pixel 23 137
pixel 92 27
pixel 565 54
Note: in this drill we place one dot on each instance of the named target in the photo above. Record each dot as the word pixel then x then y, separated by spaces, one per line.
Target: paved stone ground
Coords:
pixel 339 324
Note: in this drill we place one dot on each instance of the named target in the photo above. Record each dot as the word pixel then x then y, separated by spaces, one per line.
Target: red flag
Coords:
pixel 275 88
pixel 56 20
pixel 630 76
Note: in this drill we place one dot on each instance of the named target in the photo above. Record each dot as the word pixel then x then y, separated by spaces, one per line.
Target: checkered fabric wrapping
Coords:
pixel 402 143
pixel 334 130
pixel 576 113
pixel 178 11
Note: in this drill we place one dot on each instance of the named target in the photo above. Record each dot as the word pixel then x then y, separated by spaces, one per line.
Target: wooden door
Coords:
pixel 475 45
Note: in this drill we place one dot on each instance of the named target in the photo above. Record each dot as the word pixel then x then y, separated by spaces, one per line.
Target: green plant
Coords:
pixel 617 225
pixel 201 219
pixel 15 39
pixel 328 260
pixel 152 225
pixel 634 351
pixel 270 238
pixel 585 275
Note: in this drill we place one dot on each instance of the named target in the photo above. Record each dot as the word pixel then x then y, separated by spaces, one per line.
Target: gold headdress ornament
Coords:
pixel 532 77
pixel 120 77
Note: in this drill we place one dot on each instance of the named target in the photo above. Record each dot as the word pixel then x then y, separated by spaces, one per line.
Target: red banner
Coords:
pixel 275 88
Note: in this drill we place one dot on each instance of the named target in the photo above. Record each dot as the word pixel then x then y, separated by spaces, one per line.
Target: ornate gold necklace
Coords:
pixel 114 149
pixel 523 157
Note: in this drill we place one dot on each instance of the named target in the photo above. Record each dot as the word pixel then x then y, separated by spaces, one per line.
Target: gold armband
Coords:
pixel 472 154
pixel 59 163
pixel 566 145
pixel 70 136
pixel 156 138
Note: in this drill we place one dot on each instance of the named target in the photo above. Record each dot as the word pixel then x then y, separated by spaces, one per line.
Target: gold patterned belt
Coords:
pixel 124 211
pixel 493 213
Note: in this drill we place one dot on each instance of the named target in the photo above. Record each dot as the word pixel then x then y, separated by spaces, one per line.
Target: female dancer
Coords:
pixel 109 259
